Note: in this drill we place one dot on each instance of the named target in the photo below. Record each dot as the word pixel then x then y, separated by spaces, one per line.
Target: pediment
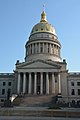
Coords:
pixel 41 64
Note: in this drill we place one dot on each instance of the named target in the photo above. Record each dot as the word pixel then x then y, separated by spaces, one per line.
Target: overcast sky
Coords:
pixel 17 17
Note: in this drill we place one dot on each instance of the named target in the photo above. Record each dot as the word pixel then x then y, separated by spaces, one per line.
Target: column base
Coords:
pixel 53 94
pixel 34 94
pixel 59 97
pixel 47 94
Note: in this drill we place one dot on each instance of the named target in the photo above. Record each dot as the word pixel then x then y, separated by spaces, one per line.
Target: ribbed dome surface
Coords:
pixel 43 27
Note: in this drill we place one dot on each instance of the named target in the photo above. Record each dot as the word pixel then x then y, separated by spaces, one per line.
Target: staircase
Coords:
pixel 34 100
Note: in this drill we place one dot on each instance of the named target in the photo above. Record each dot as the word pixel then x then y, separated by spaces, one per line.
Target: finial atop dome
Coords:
pixel 43 15
pixel 43 7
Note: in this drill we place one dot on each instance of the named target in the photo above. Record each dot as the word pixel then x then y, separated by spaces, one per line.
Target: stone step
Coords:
pixel 33 100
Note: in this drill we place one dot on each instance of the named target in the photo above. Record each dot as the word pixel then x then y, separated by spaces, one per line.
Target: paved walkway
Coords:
pixel 35 118
pixel 42 108
pixel 31 108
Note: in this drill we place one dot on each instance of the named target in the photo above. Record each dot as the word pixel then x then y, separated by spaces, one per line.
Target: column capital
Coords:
pixel 29 72
pixel 41 72
pixel 47 72
pixel 24 72
pixel 52 72
pixel 19 73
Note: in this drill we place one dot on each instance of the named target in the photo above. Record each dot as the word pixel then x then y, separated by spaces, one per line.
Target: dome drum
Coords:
pixel 46 48
pixel 43 57
pixel 43 36
pixel 42 41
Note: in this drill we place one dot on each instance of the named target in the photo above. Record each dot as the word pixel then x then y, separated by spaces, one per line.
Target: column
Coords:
pixel 26 51
pixel 59 84
pixel 29 91
pixel 46 47
pixel 53 84
pixel 24 82
pixel 53 50
pixel 50 48
pixel 29 49
pixel 39 48
pixel 47 83
pixel 32 48
pixel 43 47
pixel 41 84
pixel 35 82
pixel 35 47
pixel 18 84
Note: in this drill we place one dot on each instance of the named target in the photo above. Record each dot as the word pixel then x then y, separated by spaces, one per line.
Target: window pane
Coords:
pixel 3 91
pixel 78 83
pixel 72 92
pixel 78 91
pixel 72 83
pixel 4 83
pixel 9 83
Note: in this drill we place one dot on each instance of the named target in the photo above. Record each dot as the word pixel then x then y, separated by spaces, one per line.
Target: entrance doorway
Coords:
pixel 38 83
pixel 38 90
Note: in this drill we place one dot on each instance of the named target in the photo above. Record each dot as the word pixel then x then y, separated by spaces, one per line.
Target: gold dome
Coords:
pixel 43 26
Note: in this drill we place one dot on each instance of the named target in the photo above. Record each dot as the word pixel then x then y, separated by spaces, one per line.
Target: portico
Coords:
pixel 38 83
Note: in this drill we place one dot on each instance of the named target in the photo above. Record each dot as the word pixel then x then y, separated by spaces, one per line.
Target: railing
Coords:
pixel 6 73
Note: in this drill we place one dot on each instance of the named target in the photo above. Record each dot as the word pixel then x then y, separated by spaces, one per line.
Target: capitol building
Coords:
pixel 43 72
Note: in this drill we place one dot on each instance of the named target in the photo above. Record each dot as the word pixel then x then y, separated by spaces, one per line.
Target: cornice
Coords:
pixel 38 60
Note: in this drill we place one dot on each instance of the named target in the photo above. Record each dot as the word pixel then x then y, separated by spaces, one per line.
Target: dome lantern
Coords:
pixel 43 17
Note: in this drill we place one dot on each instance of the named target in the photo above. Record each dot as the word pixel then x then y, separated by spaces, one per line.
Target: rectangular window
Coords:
pixel 2 100
pixel 9 83
pixel 78 83
pixel 72 83
pixel 3 91
pixel 4 83
pixel 9 90
pixel 78 91
pixel 72 92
